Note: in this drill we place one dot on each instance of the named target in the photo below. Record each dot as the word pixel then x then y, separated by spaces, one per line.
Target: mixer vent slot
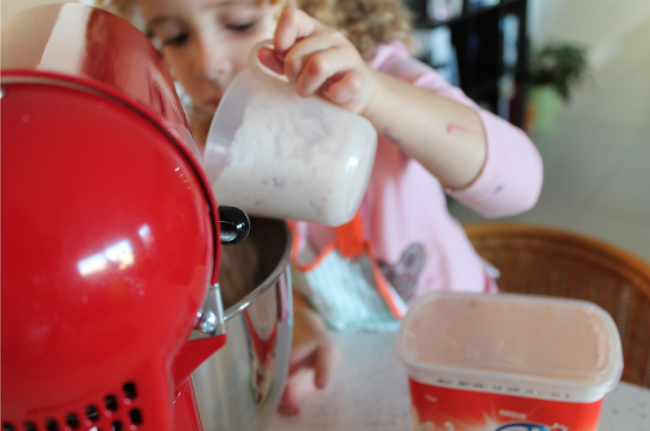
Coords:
pixel 93 415
pixel 129 391
pixel 136 416
pixel 110 402
pixel 72 420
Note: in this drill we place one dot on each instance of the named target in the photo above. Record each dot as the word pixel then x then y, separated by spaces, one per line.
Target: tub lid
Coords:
pixel 520 335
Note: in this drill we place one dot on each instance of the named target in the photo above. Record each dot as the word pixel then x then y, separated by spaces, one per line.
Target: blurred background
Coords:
pixel 575 74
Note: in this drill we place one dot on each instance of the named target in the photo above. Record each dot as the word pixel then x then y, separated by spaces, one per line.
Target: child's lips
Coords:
pixel 214 102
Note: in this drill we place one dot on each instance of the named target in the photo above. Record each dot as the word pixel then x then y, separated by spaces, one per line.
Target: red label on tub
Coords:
pixel 446 409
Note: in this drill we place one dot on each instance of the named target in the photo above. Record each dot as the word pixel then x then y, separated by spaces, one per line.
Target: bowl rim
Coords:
pixel 269 281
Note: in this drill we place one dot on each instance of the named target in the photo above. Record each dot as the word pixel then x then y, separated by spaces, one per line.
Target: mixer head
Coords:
pixel 110 234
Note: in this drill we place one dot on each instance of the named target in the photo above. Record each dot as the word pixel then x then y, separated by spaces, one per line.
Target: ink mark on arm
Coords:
pixel 451 127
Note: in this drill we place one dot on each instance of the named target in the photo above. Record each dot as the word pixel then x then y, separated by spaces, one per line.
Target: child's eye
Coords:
pixel 178 40
pixel 241 28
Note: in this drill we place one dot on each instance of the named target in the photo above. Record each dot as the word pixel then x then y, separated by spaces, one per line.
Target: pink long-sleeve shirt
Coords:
pixel 419 245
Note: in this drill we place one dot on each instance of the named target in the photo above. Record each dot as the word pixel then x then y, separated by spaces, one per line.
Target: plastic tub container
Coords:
pixel 275 154
pixel 508 362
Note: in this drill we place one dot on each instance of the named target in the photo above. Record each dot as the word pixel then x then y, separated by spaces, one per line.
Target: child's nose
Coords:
pixel 213 61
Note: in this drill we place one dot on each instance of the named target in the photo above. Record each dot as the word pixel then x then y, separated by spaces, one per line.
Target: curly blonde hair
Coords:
pixel 366 23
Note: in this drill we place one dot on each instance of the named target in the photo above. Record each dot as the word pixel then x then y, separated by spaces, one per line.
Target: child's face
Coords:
pixel 206 42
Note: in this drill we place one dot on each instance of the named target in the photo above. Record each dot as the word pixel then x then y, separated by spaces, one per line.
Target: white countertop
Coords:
pixel 369 391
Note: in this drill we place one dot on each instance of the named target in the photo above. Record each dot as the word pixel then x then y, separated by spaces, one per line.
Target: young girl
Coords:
pixel 433 139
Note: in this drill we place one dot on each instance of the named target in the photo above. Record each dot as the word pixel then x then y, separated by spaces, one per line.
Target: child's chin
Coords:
pixel 211 107
pixel 206 111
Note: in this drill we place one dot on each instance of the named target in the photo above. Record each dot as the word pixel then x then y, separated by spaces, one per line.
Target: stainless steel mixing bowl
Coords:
pixel 239 387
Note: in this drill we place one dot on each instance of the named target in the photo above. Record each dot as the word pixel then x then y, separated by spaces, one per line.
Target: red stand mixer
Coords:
pixel 110 232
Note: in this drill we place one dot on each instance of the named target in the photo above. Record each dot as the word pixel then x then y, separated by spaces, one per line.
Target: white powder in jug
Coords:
pixel 287 167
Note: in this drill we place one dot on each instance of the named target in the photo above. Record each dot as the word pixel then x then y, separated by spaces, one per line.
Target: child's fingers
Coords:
pixel 327 358
pixel 267 57
pixel 302 354
pixel 300 52
pixel 299 384
pixel 345 88
pixel 287 409
pixel 288 403
pixel 293 25
pixel 319 68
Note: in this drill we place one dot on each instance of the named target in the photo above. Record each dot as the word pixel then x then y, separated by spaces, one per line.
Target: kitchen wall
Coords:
pixel 601 25
pixel 596 156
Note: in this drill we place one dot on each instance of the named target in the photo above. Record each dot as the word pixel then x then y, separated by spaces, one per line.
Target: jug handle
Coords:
pixel 258 71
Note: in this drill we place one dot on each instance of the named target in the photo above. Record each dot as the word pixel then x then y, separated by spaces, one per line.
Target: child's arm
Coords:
pixel 451 138
pixel 445 136
pixel 511 178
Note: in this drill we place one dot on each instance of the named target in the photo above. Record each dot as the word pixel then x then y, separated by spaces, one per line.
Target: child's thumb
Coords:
pixel 267 57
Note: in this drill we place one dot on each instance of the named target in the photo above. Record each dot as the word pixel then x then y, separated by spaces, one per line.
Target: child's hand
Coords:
pixel 319 59
pixel 314 355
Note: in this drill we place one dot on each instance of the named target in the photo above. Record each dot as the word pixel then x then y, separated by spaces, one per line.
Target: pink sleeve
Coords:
pixel 511 179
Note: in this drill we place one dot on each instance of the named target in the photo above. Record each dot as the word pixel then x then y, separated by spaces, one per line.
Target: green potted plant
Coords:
pixel 554 70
